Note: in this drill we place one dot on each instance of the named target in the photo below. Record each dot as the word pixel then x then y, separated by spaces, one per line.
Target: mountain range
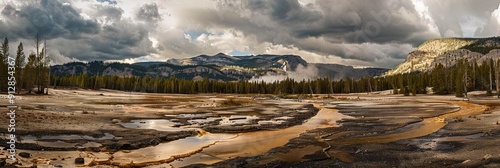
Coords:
pixel 445 51
pixel 219 67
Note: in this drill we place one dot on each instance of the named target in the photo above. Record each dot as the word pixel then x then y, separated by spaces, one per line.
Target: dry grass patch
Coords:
pixel 230 102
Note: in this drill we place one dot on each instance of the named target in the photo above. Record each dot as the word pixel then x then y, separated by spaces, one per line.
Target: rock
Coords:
pixel 486 157
pixel 126 146
pixel 466 161
pixel 79 160
pixel 154 141
pixel 487 134
pixel 25 154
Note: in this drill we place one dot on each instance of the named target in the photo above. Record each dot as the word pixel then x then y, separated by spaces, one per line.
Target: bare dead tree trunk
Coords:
pixel 491 80
pixel 497 75
pixel 310 89
pixel 331 87
pixel 352 86
pixel 369 86
pixel 37 66
pixel 497 78
pixel 465 78
pixel 95 82
pixel 446 73
pixel 474 74
pixel 45 57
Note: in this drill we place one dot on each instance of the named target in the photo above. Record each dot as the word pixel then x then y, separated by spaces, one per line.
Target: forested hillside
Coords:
pixel 464 75
pixel 218 67
pixel 448 51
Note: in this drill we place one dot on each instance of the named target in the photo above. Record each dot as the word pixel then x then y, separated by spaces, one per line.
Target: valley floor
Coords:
pixel 109 128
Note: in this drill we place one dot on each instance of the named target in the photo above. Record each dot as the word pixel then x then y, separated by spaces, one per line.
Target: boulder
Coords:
pixel 79 160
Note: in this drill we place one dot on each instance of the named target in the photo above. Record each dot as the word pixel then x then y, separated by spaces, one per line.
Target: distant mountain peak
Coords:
pixel 222 54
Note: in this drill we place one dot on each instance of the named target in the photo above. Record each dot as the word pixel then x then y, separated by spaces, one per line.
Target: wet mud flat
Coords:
pixel 74 118
pixel 471 141
pixel 103 126
pixel 121 129
pixel 409 133
pixel 260 142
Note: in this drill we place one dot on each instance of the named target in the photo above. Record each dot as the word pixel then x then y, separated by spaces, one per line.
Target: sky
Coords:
pixel 361 33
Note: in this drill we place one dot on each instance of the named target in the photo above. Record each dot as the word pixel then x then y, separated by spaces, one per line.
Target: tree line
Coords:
pixel 33 75
pixel 29 74
pixel 464 76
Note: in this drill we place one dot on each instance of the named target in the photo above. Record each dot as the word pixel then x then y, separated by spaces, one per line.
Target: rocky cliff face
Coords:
pixel 447 51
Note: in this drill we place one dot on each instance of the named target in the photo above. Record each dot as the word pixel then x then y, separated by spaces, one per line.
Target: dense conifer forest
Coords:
pixel 465 76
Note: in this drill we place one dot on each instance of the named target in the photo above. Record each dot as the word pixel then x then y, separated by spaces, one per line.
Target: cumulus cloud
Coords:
pixel 491 27
pixel 453 17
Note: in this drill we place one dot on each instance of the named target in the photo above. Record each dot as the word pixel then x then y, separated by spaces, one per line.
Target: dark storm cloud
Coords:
pixel 122 41
pixel 49 18
pixel 291 12
pixel 103 36
pixel 117 41
pixel 8 10
pixel 114 42
pixel 323 27
pixel 379 32
pixel 109 11
pixel 149 12
pixel 342 21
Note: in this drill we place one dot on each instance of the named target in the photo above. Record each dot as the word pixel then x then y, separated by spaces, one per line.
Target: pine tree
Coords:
pixel 40 66
pixel 439 85
pixel 4 56
pixel 413 90
pixel 406 91
pixel 395 90
pixel 465 76
pixel 347 86
pixel 30 73
pixel 43 68
pixel 20 61
pixel 459 89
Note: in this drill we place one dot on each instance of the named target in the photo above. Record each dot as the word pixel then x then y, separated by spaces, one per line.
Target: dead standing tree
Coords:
pixel 497 74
